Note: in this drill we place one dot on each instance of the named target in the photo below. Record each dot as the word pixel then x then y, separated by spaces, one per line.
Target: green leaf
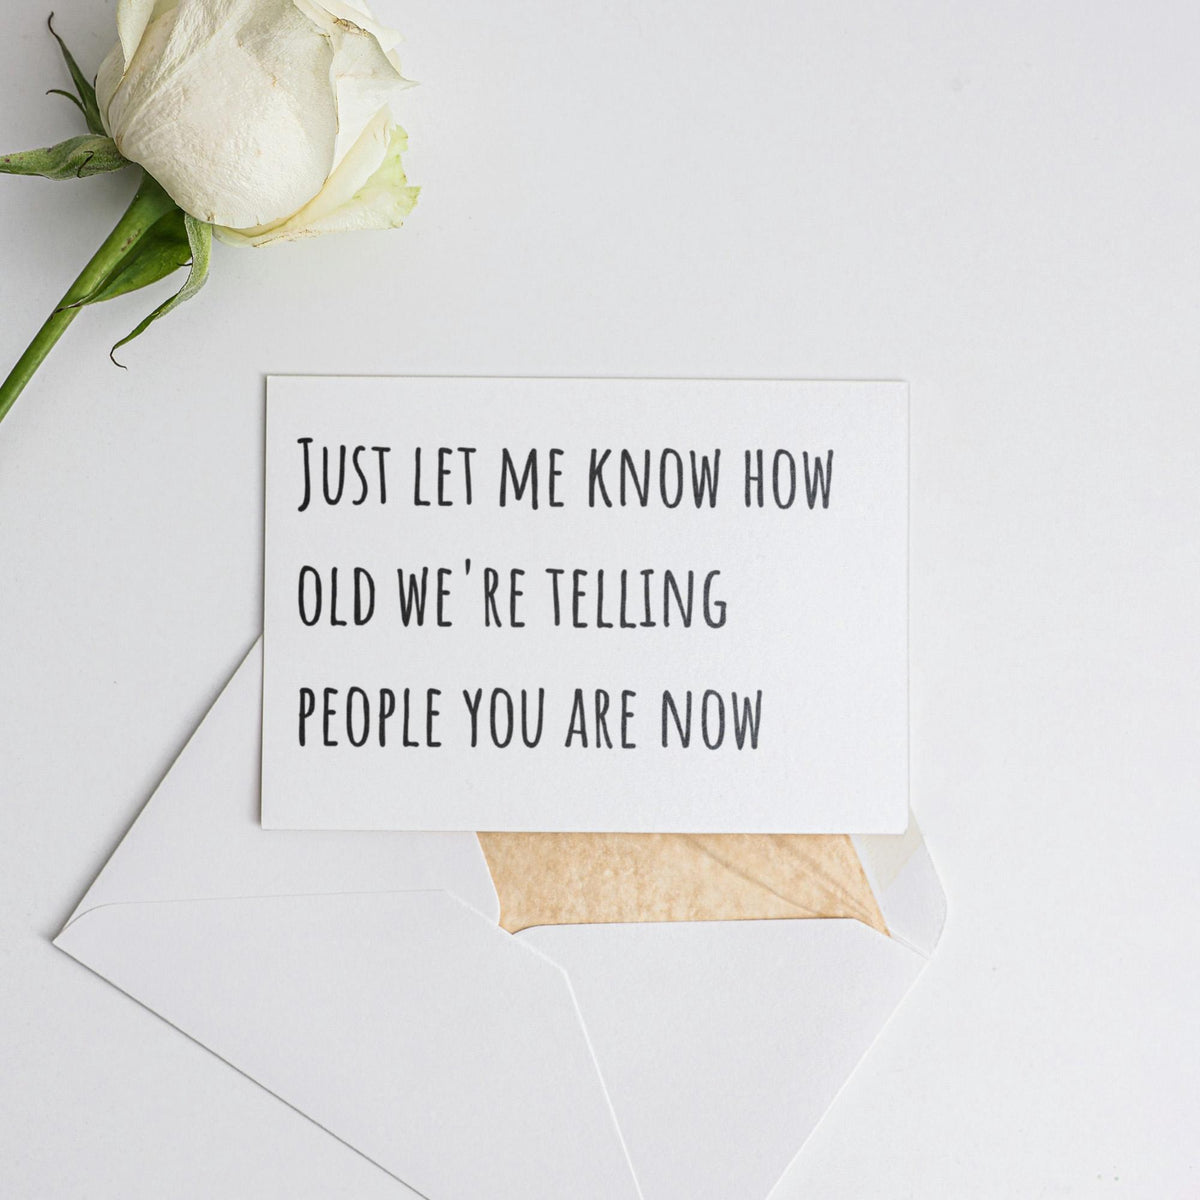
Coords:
pixel 163 248
pixel 199 236
pixel 76 158
pixel 87 94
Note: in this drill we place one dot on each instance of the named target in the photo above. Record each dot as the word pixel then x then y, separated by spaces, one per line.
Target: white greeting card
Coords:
pixel 563 604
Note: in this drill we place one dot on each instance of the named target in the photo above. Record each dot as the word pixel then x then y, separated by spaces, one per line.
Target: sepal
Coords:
pixel 86 100
pixel 163 248
pixel 76 158
pixel 199 238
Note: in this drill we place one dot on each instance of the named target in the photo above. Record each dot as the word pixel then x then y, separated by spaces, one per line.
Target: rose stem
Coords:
pixel 149 203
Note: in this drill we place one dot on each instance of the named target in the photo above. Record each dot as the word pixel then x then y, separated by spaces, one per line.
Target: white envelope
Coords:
pixel 363 979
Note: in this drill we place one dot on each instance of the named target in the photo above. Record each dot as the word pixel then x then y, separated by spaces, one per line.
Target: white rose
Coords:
pixel 269 119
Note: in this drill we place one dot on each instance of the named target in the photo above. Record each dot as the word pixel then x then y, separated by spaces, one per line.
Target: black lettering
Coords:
pixel 430 714
pixel 555 573
pixel 671 586
pixel 596 479
pixel 626 717
pixel 473 709
pixel 602 737
pixel 784 456
pixel 314 575
pixel 308 706
pixel 362 478
pixel 662 478
pixel 417 501
pixel 305 442
pixel 443 594
pixel 683 729
pixel 381 451
pixel 820 479
pixel 712 742
pixel 361 617
pixel 491 580
pixel 577 726
pixel 629 474
pixel 341 474
pixel 528 480
pixel 502 742
pixel 704 481
pixel 711 605
pixel 744 723
pixel 328 713
pixel 387 708
pixel 366 716
pixel 754 477
pixel 412 598
pixel 541 713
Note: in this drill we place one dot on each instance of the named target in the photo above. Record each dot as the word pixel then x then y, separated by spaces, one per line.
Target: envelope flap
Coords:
pixel 721 1044
pixel 199 836
pixel 405 1024
pixel 906 886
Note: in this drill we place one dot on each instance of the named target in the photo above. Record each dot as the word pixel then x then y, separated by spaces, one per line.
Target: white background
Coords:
pixel 997 202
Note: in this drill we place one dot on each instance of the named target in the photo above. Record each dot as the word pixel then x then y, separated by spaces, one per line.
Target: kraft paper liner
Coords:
pixel 601 878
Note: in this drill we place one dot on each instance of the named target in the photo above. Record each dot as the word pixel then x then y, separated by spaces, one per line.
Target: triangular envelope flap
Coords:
pixel 722 1044
pixel 906 885
pixel 199 836
pixel 404 1023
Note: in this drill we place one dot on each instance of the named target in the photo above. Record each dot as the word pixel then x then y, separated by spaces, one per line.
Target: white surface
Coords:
pixel 696 1056
pixel 797 633
pixel 994 202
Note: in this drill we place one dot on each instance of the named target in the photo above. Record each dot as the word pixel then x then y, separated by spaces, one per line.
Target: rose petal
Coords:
pixel 357 14
pixel 108 79
pixel 367 191
pixel 364 75
pixel 228 104
pixel 132 18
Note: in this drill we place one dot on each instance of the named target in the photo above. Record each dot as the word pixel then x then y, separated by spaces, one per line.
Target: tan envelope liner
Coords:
pixel 597 878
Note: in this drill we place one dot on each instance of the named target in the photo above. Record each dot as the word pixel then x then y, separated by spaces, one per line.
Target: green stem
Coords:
pixel 149 203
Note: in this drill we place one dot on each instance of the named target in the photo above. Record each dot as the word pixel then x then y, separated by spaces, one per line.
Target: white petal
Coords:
pixel 132 18
pixel 357 13
pixel 366 81
pixel 367 191
pixel 365 75
pixel 108 79
pixel 228 104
